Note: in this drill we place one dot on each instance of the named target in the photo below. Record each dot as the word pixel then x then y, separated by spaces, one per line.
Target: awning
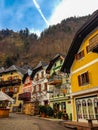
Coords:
pixel 5 97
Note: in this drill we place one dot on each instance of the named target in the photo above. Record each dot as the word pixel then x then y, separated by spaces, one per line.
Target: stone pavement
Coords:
pixel 22 122
pixel 17 122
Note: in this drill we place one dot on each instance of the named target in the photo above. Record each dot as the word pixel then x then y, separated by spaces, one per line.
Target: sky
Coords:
pixel 38 15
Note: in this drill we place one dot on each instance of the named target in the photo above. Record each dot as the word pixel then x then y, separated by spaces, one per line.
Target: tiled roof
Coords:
pixel 13 68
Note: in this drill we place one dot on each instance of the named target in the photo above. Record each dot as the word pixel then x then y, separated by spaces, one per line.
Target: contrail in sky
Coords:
pixel 39 10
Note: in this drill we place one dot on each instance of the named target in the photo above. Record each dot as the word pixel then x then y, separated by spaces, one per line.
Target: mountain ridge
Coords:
pixel 23 47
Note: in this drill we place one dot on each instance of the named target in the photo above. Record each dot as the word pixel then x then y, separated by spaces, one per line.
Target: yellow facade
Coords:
pixel 86 94
pixel 87 63
pixel 12 85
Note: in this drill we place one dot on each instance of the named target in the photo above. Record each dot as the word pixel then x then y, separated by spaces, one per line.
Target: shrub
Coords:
pixel 49 111
pixel 59 114
pixel 42 109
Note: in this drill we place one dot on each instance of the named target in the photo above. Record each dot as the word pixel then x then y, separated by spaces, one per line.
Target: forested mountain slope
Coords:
pixel 25 48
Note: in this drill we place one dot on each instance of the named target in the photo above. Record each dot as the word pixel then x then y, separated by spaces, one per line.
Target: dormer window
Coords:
pixel 80 55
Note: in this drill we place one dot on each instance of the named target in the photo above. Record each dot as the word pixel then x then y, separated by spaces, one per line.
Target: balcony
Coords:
pixel 7 82
pixel 93 44
pixel 10 82
pixel 16 81
pixel 1 84
pixel 9 93
pixel 25 96
pixel 54 80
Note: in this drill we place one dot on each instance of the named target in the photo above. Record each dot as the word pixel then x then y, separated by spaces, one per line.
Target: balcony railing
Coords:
pixel 55 79
pixel 93 44
pixel 1 84
pixel 16 81
pixel 25 96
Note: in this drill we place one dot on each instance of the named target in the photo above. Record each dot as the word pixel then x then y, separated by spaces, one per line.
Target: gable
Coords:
pixel 81 34
pixel 84 54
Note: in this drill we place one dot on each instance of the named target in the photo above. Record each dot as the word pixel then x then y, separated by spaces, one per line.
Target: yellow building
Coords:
pixel 82 63
pixel 10 83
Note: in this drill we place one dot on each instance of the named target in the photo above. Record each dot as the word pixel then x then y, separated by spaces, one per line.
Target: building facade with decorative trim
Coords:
pixel 82 63
pixel 59 86
pixel 11 84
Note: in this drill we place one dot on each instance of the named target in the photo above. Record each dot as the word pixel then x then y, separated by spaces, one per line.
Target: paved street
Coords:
pixel 25 122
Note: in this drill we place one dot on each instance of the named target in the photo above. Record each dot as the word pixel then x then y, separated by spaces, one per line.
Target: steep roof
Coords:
pixel 51 63
pixel 90 25
pixel 38 67
pixel 24 77
pixel 13 68
pixel 28 73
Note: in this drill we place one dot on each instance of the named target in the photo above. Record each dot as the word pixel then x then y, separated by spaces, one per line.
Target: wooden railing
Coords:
pixel 10 82
pixel 93 43
pixel 55 79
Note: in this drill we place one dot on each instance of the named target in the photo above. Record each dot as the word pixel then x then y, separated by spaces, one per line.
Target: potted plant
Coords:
pixel 49 111
pixel 65 116
pixel 42 110
pixel 59 114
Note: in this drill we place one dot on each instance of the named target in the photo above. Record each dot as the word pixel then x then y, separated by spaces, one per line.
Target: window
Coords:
pixel 87 108
pixel 90 109
pixel 84 108
pixel 83 79
pixel 1 79
pixel 96 107
pixel 10 78
pixel 37 76
pixel 14 100
pixel 42 74
pixel 39 87
pixel 80 55
pixel 45 86
pixel 79 111
pixel 93 43
pixel 16 89
pixel 15 77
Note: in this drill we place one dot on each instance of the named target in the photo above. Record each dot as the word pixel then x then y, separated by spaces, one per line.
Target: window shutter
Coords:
pixel 39 87
pixel 79 80
pixel 82 53
pixel 76 56
pixel 45 86
pixel 34 89
pixel 87 49
pixel 87 76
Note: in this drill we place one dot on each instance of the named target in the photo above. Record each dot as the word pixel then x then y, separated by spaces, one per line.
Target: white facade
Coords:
pixel 40 87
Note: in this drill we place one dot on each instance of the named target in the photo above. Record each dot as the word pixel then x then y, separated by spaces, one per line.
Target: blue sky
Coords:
pixel 38 15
